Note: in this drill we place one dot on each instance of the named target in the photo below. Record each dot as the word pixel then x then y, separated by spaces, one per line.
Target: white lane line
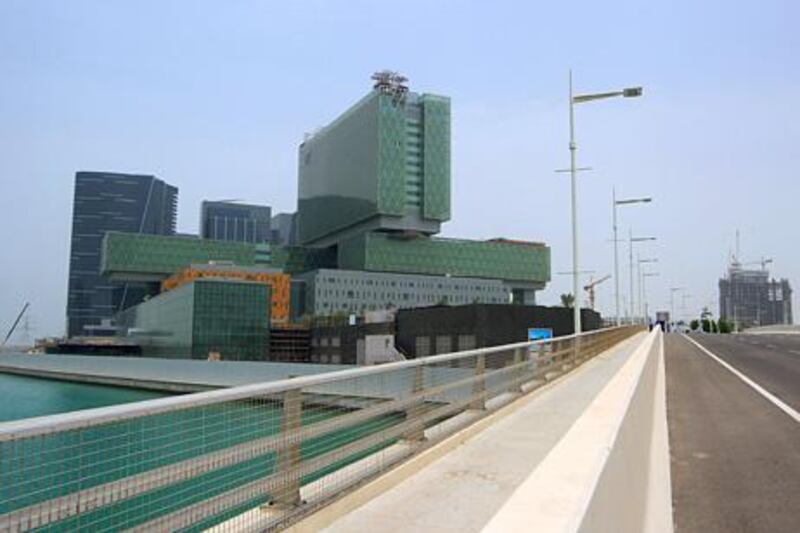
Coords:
pixel 758 388
pixel 795 351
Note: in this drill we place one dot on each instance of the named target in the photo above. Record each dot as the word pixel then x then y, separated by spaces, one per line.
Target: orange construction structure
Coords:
pixel 280 283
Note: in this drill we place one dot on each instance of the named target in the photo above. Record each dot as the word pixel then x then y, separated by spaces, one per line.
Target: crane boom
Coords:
pixel 596 282
pixel 14 326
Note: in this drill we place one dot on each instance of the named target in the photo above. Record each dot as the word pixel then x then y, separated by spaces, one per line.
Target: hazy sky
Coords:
pixel 214 98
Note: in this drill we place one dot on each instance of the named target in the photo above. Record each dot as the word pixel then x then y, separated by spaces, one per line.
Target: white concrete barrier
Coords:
pixel 610 471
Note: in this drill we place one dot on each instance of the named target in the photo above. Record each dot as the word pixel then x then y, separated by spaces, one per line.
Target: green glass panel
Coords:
pixel 229 317
pixel 391 155
pixel 138 255
pixel 436 156
pixel 337 172
pixel 480 259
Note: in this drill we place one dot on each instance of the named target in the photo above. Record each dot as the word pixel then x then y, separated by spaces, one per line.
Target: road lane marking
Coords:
pixel 758 388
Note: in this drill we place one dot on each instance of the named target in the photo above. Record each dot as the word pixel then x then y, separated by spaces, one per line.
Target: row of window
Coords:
pixel 449 284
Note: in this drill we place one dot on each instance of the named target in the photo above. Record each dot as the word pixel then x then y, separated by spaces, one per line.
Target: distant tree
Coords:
pixel 725 326
pixel 567 300
pixel 694 324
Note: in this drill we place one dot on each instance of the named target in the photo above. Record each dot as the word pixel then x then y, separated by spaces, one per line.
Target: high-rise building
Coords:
pixel 106 202
pixel 230 221
pixel 383 165
pixel 374 189
pixel 284 229
pixel 749 298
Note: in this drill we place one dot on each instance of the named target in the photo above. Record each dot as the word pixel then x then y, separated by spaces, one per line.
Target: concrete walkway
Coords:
pixel 463 490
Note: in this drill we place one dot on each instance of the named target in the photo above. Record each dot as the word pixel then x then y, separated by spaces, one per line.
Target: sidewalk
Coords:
pixel 463 490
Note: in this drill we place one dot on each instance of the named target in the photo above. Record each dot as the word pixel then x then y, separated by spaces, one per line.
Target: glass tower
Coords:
pixel 106 202
pixel 229 221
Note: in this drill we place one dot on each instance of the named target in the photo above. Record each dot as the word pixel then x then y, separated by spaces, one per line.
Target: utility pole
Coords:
pixel 573 172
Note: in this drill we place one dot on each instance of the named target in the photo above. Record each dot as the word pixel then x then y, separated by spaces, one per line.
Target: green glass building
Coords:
pixel 373 191
pixel 528 263
pixel 132 256
pixel 384 164
pixel 207 315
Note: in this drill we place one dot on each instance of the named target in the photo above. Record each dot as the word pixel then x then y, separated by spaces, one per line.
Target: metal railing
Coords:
pixel 259 456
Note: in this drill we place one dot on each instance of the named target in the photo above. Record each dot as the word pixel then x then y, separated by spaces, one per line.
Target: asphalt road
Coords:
pixel 735 456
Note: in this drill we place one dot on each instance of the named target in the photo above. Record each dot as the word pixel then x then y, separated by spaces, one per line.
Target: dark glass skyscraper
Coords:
pixel 229 221
pixel 105 202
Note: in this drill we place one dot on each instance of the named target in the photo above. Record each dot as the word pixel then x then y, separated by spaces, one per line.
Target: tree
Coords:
pixel 725 326
pixel 694 324
pixel 567 300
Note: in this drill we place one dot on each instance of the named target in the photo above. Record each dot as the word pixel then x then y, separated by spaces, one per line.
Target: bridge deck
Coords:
pixel 464 489
pixel 735 454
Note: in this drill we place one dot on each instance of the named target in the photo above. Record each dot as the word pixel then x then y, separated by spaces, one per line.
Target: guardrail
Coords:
pixel 258 456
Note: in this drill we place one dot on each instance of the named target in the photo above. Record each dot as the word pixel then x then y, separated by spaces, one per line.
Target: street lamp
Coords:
pixel 646 275
pixel 672 291
pixel 615 203
pixel 630 92
pixel 685 296
pixel 631 240
pixel 639 262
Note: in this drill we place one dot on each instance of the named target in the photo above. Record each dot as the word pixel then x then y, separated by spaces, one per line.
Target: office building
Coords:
pixel 284 229
pixel 231 221
pixel 138 257
pixel 749 298
pixel 279 283
pixel 384 164
pixel 104 202
pixel 203 319
pixel 330 292
pixel 373 191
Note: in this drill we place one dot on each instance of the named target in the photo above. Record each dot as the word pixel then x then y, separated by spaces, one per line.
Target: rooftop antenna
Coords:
pixel 391 82
pixel 738 255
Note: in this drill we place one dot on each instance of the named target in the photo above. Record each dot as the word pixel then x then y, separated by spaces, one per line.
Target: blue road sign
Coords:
pixel 537 334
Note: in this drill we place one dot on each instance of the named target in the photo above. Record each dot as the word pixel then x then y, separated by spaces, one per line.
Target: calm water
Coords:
pixel 37 469
pixel 24 397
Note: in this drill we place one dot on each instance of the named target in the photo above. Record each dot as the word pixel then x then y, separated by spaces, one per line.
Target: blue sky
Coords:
pixel 214 97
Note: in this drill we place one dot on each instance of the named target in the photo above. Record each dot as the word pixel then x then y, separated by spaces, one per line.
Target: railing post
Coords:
pixel 413 410
pixel 518 375
pixel 289 454
pixel 479 387
pixel 576 348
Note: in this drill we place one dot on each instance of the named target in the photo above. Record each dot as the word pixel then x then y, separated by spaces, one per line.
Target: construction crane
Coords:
pixel 590 288
pixel 763 263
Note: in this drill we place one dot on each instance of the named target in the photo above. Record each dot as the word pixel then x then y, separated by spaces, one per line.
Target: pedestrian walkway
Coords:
pixel 463 490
